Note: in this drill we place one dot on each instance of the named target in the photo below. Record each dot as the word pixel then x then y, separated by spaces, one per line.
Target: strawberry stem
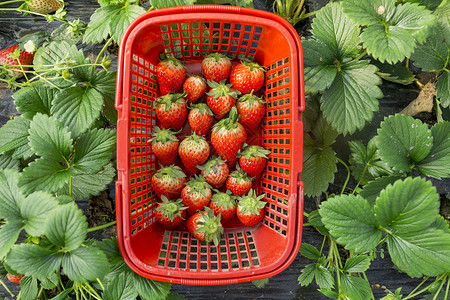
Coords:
pixel 11 1
pixel 102 226
pixel 101 52
pixel 6 288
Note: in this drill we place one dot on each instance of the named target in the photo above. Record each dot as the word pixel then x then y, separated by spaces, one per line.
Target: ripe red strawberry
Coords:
pixel 228 136
pixel 171 110
pixel 43 6
pixel 14 278
pixel 165 145
pixel 221 98
pixel 239 183
pixel 216 67
pixel 195 87
pixel 215 171
pixel 170 213
pixel 247 76
pixel 200 118
pixel 171 74
pixel 196 194
pixel 168 181
pixel 193 151
pixel 250 209
pixel 251 109
pixel 205 226
pixel 253 159
pixel 223 204
pixel 25 58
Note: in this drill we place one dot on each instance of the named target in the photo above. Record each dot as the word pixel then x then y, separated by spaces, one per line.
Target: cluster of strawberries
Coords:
pixel 222 189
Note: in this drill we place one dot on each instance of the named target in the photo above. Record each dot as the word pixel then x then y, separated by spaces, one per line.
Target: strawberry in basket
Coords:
pixel 170 213
pixel 205 226
pixel 253 159
pixel 171 75
pixel 250 209
pixel 171 110
pixel 247 76
pixel 221 98
pixel 165 145
pixel 168 181
pixel 216 67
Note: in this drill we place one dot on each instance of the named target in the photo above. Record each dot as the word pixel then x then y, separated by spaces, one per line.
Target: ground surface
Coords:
pixel 282 286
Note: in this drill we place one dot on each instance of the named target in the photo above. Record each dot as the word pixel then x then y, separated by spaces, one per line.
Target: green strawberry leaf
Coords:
pixel 320 70
pixel 120 21
pixel 443 88
pixel 339 33
pixel 315 220
pixel 437 163
pixel 158 4
pixel 85 185
pixel 111 248
pixel 309 251
pixel 442 12
pixel 67 227
pixel 78 108
pixel 307 275
pixel 9 233
pixel 424 252
pixel 151 289
pixel 34 99
pixel 416 203
pixel 261 283
pixel 311 113
pixel 357 264
pixel 372 190
pixel 10 195
pixel 350 219
pixel 34 260
pixel 120 288
pixel 49 282
pixel 45 174
pixel 323 276
pixel 319 159
pixel 440 223
pixel 394 73
pixel 8 162
pixel 85 264
pixel 14 134
pixel 105 83
pixel 94 149
pixel 28 288
pixel 352 97
pixel 356 288
pixel 429 4
pixel 50 139
pixel 34 210
pixel 434 54
pixel 392 32
pixel 403 141
pixel 365 164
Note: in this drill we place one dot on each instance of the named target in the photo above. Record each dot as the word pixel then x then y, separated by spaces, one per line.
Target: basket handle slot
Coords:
pixel 212 8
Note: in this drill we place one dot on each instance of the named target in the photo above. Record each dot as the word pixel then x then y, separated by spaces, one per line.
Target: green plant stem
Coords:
pixel 71 187
pixel 101 284
pixel 11 1
pixel 360 179
pixel 7 289
pixel 40 292
pixel 306 214
pixel 323 244
pixel 88 288
pixel 361 55
pixel 446 290
pixel 102 226
pixel 411 295
pixel 365 277
pixel 310 14
pixel 32 13
pixel 440 288
pixel 348 174
pixel 420 284
pixel 101 53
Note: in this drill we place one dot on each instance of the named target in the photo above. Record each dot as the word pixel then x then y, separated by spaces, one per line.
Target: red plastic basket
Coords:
pixel 189 33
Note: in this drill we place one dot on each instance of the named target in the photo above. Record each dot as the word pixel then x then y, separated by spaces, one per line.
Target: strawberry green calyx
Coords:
pixel 251 64
pixel 169 99
pixel 173 61
pixel 203 108
pixel 226 200
pixel 171 171
pixel 171 208
pixel 250 98
pixel 221 90
pixel 195 139
pixel 239 175
pixel 198 184
pixel 212 165
pixel 164 135
pixel 229 123
pixel 251 203
pixel 217 56
pixel 210 226
pixel 253 151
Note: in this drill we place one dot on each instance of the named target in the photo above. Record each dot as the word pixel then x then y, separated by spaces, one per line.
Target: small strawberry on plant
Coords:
pixel 196 194
pixel 253 159
pixel 216 67
pixel 215 171
pixel 239 182
pixel 200 118
pixel 250 209
pixel 205 226
pixel 13 278
pixel 228 136
pixel 221 98
pixel 223 204
pixel 171 74
pixel 195 87
pixel 170 213
pixel 12 57
pixel 251 109
pixel 168 181
pixel 247 76
pixel 193 151
pixel 41 6
pixel 165 145
pixel 171 110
